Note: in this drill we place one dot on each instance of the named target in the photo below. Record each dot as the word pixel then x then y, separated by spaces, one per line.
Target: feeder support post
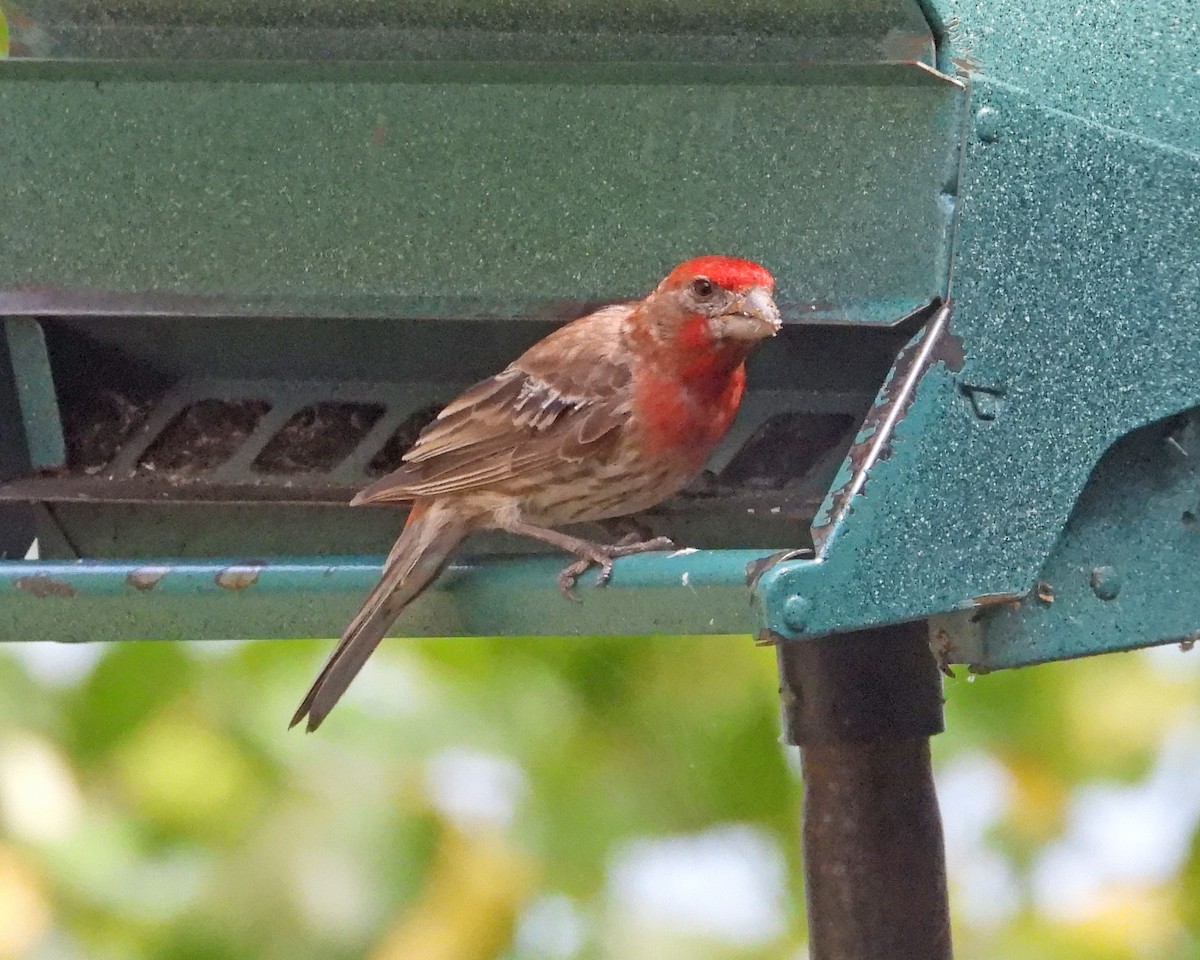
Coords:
pixel 862 706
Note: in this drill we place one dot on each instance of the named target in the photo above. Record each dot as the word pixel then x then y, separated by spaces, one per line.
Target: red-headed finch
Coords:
pixel 606 416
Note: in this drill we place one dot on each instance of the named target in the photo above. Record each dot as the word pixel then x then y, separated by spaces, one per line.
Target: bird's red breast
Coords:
pixel 685 421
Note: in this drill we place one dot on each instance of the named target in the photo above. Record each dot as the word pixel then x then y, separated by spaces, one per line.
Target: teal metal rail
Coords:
pixel 298 597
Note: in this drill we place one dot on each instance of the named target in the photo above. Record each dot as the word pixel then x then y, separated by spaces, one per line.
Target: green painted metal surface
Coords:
pixel 1076 277
pixel 1127 67
pixel 35 393
pixel 474 30
pixel 472 190
pixel 690 592
pixel 1125 571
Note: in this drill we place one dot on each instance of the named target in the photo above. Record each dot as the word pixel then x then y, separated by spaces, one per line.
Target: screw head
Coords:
pixel 1106 582
pixel 987 125
pixel 795 613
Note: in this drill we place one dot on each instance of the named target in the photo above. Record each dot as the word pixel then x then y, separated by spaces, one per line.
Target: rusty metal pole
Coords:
pixel 862 708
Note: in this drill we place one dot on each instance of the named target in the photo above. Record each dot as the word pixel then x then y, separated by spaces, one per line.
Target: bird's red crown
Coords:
pixel 732 273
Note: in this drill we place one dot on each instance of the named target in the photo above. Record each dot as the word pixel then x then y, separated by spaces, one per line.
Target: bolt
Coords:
pixel 987 125
pixel 795 613
pixel 1106 582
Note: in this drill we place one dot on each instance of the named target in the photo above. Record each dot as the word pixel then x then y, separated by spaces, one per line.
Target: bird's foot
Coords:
pixel 602 556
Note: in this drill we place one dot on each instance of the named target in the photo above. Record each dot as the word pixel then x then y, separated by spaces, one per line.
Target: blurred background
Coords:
pixel 549 799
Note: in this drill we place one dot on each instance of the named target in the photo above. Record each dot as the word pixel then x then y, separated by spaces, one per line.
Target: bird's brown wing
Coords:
pixel 564 399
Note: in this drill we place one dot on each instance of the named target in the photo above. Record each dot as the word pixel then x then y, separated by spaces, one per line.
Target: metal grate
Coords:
pixel 252 434
pixel 319 442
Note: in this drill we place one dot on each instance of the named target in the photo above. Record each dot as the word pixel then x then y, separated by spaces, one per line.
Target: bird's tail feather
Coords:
pixel 421 553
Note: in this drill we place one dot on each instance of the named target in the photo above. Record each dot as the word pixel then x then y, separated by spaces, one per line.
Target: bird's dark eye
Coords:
pixel 702 287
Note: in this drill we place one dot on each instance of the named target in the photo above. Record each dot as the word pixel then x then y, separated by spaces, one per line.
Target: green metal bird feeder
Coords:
pixel 248 250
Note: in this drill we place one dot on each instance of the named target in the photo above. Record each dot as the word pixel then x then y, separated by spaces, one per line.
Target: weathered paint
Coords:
pixel 42 585
pixel 146 578
pixel 935 343
pixel 313 597
pixel 238 577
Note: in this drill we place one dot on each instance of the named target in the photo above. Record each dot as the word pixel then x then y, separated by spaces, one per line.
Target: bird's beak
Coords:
pixel 750 317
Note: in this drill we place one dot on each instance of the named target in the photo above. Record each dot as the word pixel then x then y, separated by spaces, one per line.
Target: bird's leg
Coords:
pixel 589 554
pixel 628 545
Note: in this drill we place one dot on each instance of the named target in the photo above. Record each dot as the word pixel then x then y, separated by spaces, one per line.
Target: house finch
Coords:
pixel 608 415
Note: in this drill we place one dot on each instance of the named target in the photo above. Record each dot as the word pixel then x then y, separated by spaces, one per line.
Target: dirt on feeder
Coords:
pixel 203 436
pixel 96 427
pixel 318 438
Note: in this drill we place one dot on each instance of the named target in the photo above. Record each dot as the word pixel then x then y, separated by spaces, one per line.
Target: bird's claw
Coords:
pixel 603 558
pixel 567 577
pixel 604 574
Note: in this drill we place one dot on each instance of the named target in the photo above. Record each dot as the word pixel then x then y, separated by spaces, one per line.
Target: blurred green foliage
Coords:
pixel 546 799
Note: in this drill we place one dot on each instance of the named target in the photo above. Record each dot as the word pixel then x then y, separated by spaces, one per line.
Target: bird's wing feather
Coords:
pixel 564 399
